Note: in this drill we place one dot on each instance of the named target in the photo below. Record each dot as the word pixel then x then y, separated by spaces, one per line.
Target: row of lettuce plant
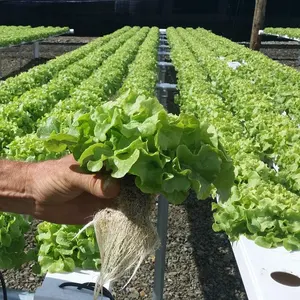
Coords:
pixel 101 85
pixel 284 31
pixel 274 134
pixel 41 74
pixel 20 116
pixel 259 207
pixel 14 35
pixel 57 249
pixel 278 83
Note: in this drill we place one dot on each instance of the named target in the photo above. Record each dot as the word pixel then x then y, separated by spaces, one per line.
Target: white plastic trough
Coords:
pixel 261 32
pixel 267 274
pixel 50 289
pixel 70 31
pixel 257 265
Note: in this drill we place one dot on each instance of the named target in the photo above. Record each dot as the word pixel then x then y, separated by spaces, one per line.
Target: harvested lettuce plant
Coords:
pixel 154 152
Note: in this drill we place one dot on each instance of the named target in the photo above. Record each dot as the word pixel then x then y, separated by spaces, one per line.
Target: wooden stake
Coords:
pixel 258 23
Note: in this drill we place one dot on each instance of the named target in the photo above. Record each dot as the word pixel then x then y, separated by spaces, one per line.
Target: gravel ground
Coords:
pixel 200 263
pixel 287 53
pixel 20 58
pixel 24 279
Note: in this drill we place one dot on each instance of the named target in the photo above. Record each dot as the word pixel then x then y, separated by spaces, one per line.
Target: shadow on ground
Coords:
pixel 218 273
pixel 15 68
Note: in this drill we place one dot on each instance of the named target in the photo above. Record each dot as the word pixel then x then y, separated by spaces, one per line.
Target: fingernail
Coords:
pixel 110 187
pixel 107 183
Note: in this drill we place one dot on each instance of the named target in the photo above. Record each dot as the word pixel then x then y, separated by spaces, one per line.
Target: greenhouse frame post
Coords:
pixel 258 23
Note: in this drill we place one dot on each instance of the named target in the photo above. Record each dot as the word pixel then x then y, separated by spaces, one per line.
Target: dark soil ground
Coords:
pixel 20 58
pixel 200 263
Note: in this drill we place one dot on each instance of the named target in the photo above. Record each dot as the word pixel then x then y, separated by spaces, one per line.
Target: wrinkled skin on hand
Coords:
pixel 64 194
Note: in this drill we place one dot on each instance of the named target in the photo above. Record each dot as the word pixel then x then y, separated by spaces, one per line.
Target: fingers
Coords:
pixel 99 185
pixel 79 211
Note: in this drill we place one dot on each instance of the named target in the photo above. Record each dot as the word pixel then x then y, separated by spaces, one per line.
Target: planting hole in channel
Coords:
pixel 286 279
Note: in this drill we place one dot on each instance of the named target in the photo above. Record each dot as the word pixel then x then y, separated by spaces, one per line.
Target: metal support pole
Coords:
pixel 160 255
pixel 162 223
pixel 36 50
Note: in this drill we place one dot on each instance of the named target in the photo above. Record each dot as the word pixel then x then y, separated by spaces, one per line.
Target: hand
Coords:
pixel 64 194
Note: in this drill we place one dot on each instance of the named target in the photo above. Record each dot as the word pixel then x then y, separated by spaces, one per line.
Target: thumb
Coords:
pixel 99 185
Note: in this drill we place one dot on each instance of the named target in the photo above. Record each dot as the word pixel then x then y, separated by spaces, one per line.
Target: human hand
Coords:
pixel 64 194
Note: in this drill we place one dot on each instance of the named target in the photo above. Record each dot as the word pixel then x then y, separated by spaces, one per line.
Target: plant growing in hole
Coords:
pixel 154 152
